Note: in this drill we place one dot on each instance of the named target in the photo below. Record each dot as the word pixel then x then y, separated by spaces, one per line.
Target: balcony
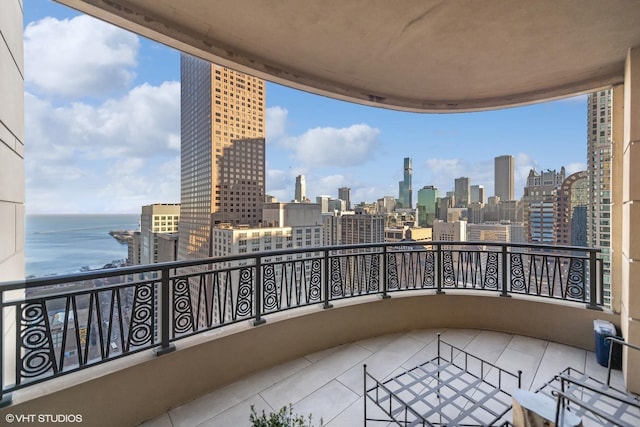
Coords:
pixel 150 338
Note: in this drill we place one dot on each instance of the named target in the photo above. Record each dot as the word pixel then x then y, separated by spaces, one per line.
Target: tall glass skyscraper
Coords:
pixel 222 152
pixel 427 204
pixel 599 120
pixel 404 186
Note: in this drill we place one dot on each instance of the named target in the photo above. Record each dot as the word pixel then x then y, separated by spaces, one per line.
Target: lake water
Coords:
pixel 63 244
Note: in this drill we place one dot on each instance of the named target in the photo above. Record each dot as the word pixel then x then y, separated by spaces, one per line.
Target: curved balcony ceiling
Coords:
pixel 414 55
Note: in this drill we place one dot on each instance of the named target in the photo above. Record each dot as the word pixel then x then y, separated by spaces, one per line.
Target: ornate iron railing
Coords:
pixel 61 324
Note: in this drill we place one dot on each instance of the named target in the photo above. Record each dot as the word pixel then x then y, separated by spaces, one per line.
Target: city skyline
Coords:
pixel 112 127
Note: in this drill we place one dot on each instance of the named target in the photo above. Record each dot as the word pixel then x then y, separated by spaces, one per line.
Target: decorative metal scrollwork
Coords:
pixel 141 326
pixel 245 293
pixel 270 298
pixel 392 271
pixel 576 280
pixel 336 278
pixel 491 271
pixel 449 276
pixel 429 279
pixel 182 310
pixel 517 274
pixel 35 340
pixel 374 273
pixel 315 289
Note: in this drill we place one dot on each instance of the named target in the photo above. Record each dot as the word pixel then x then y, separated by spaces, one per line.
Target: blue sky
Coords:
pixel 102 129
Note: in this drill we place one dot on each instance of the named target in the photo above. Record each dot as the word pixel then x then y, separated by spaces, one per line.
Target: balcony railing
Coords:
pixel 67 323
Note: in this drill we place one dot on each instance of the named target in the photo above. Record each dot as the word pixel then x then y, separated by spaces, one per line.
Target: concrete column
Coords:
pixel 630 262
pixel 617 165
pixel 11 164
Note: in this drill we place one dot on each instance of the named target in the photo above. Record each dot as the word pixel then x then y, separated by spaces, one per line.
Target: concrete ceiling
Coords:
pixel 414 55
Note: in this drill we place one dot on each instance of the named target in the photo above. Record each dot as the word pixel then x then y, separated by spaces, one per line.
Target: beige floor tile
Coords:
pixel 488 345
pixel 301 384
pixel 326 403
pixel 599 372
pixel 376 343
pixel 161 421
pixel 383 362
pixel 426 335
pixel 239 415
pixel 531 346
pixel 459 337
pixel 209 405
pixel 556 358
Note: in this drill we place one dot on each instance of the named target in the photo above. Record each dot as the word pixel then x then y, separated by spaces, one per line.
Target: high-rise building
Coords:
pixel 449 232
pixel 462 192
pixel 323 201
pixel 222 154
pixel 405 189
pixel 477 194
pixel 539 205
pixel 427 205
pixel 301 189
pixel 599 145
pixel 344 193
pixel 361 228
pixel 161 218
pixel 387 204
pixel 571 215
pixel 338 205
pixel 504 167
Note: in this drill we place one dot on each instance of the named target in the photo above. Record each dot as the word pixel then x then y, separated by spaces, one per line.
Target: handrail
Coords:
pixel 107 314
pixel 621 342
pixel 561 396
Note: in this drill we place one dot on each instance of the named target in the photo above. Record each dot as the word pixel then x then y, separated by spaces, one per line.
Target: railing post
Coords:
pixel 327 275
pixel 593 283
pixel 505 276
pixel 5 399
pixel 258 292
pixel 439 269
pixel 165 312
pixel 385 281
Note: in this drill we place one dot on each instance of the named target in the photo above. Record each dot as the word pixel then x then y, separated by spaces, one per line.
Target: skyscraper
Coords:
pixel 477 194
pixel 599 180
pixel 222 153
pixel 404 186
pixel 301 189
pixel 504 167
pixel 539 199
pixel 344 193
pixel 571 214
pixel 427 205
pixel 160 218
pixel 462 192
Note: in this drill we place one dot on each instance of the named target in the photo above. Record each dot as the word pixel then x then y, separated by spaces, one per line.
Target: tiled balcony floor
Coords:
pixel 329 383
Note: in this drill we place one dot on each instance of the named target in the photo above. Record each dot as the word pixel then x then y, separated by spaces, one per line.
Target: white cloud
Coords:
pixel 572 168
pixel 276 123
pixel 279 184
pixel 524 164
pixel 328 146
pixel 442 174
pixel 81 56
pixel 113 157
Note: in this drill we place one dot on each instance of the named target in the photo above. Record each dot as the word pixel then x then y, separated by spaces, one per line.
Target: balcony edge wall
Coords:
pixel 148 386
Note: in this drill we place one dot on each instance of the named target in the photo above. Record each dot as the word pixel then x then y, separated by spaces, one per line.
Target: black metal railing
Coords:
pixel 60 324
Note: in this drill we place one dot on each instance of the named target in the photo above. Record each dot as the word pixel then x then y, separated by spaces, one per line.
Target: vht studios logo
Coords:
pixel 43 418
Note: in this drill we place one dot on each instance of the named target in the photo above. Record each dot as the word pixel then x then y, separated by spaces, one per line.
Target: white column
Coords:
pixel 630 262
